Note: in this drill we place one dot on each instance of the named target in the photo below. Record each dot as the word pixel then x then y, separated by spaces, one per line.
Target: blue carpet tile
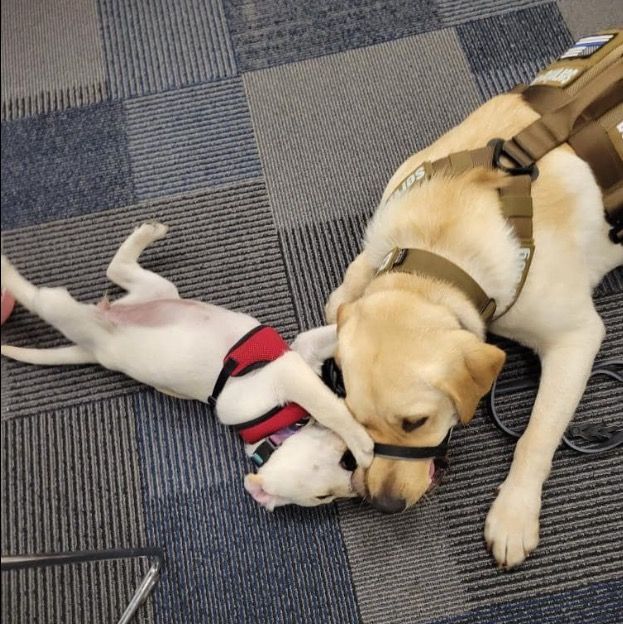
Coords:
pixel 506 49
pixel 158 45
pixel 227 559
pixel 64 164
pixel 267 33
pixel 192 138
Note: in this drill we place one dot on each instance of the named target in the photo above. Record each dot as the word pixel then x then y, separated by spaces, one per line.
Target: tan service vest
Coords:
pixel 580 100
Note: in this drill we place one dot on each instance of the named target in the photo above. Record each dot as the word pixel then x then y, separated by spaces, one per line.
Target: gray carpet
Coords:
pixel 263 133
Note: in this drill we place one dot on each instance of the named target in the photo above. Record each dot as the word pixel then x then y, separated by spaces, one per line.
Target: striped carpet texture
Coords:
pixel 263 133
pixel 160 45
pixel 190 139
pixel 39 75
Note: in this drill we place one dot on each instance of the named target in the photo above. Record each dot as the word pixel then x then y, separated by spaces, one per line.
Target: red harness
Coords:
pixel 255 349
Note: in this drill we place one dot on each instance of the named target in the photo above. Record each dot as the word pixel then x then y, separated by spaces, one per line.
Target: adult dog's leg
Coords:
pixel 512 526
pixel 125 271
pixel 294 381
pixel 356 279
pixel 77 321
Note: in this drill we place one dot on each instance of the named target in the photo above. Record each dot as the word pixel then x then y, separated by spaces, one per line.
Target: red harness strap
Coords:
pixel 255 349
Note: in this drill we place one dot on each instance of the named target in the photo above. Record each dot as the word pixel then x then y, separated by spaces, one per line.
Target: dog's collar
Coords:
pixel 433 265
pixel 255 349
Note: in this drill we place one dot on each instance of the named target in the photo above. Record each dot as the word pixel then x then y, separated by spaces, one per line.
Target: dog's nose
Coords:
pixel 388 504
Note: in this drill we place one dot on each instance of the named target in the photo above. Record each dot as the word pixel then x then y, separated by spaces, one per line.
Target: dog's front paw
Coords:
pixel 361 445
pixel 512 525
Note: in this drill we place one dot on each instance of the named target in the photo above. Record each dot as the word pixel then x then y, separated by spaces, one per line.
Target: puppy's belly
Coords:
pixel 158 312
pixel 174 345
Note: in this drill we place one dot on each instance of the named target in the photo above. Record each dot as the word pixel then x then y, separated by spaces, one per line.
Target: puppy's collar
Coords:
pixel 255 349
pixel 262 452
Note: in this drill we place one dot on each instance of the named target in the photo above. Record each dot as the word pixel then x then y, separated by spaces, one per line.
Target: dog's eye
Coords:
pixel 410 425
pixel 324 497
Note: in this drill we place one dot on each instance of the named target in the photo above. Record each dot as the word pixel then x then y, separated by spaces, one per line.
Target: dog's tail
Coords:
pixel 49 357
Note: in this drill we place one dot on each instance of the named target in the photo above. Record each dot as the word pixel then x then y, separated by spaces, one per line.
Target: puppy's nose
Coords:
pixel 388 504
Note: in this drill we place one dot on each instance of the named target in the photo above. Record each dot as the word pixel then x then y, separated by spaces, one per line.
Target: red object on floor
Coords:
pixel 8 302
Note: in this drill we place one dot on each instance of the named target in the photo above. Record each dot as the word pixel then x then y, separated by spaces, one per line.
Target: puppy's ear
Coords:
pixel 253 484
pixel 481 365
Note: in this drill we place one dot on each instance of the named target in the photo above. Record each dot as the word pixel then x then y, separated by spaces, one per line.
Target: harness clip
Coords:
pixel 498 152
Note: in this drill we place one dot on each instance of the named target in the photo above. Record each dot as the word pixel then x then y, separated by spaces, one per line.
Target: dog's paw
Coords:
pixel 512 525
pixel 361 445
pixel 152 231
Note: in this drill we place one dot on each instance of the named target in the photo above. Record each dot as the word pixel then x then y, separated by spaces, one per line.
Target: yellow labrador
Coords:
pixel 412 347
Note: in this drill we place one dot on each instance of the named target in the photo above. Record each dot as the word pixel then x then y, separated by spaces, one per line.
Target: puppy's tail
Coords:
pixel 49 357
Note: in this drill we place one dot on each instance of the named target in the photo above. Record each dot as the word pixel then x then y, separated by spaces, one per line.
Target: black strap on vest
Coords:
pixel 229 367
pixel 396 451
pixel 221 380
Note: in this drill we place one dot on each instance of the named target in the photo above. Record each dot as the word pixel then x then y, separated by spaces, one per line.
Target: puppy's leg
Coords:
pixel 49 357
pixel 76 321
pixel 125 271
pixel 356 279
pixel 316 345
pixel 512 526
pixel 294 381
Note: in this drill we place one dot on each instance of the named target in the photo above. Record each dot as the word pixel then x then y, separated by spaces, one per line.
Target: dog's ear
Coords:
pixel 253 484
pixel 482 363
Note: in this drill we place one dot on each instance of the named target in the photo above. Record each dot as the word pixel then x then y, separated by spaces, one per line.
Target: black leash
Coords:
pixel 601 437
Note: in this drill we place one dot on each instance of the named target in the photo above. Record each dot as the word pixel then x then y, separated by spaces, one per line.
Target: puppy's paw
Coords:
pixel 512 525
pixel 152 231
pixel 360 444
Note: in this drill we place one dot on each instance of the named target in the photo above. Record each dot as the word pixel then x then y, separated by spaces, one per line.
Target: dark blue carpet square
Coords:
pixel 267 33
pixel 227 559
pixel 64 164
pixel 599 603
pixel 534 33
pixel 510 48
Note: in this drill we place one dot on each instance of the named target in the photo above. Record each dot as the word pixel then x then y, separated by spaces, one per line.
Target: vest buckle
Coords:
pixel 519 168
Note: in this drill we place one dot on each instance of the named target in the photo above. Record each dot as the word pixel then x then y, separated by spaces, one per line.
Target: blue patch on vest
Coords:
pixel 586 46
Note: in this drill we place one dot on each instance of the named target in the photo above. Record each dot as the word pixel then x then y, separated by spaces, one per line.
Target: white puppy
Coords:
pixel 179 346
